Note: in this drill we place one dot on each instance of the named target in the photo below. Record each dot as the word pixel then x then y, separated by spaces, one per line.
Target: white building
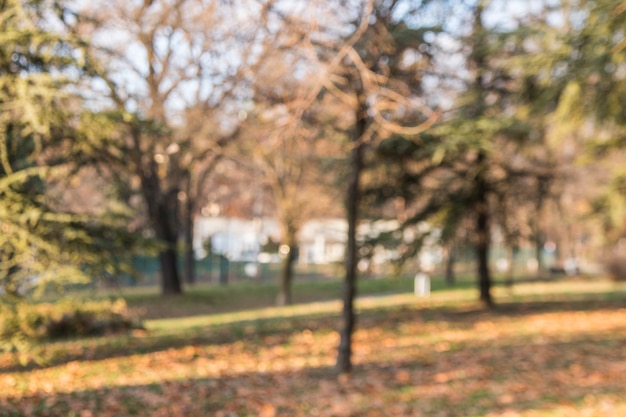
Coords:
pixel 320 241
pixel 323 241
pixel 237 239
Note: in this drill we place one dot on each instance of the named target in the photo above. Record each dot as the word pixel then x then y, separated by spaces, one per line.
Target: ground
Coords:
pixel 547 350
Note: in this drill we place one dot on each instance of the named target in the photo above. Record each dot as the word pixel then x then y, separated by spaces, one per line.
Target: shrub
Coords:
pixel 34 322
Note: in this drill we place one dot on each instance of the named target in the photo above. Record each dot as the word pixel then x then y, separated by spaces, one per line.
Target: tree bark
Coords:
pixel 290 230
pixel 483 236
pixel 163 213
pixel 284 296
pixel 450 261
pixel 538 238
pixel 190 260
pixel 353 197
pixel 538 234
pixel 168 257
pixel 170 282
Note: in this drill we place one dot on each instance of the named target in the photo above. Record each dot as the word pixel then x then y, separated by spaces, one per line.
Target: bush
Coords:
pixel 24 321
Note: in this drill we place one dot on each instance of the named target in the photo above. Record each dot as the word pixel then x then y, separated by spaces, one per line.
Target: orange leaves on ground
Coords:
pixel 424 364
pixel 267 410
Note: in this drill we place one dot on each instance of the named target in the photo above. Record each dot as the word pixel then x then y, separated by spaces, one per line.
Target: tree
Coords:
pixel 590 108
pixel 292 137
pixel 490 158
pixel 384 97
pixel 496 139
pixel 290 164
pixel 42 242
pixel 173 79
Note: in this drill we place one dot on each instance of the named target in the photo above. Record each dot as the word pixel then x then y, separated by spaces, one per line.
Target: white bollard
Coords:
pixel 422 285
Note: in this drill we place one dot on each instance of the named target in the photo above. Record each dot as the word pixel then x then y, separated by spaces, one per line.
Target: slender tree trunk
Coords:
pixel 344 357
pixel 482 253
pixel 450 261
pixel 478 59
pixel 483 237
pixel 538 235
pixel 285 291
pixel 539 252
pixel 190 260
pixel 290 230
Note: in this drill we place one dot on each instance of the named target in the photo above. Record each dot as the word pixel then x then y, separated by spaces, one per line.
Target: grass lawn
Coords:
pixel 550 349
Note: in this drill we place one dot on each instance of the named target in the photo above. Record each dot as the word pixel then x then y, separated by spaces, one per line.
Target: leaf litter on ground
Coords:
pixel 409 361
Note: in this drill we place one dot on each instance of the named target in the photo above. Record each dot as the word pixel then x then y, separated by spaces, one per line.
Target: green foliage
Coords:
pixel 30 97
pixel 595 97
pixel 610 208
pixel 42 245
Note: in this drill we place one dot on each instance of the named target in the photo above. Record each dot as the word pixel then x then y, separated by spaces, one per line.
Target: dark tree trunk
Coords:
pixel 539 252
pixel 284 296
pixel 450 261
pixel 482 252
pixel 479 62
pixel 170 282
pixel 190 261
pixel 166 221
pixel 353 196
pixel 483 236
pixel 290 230
pixel 164 216
pixel 538 235
pixel 168 257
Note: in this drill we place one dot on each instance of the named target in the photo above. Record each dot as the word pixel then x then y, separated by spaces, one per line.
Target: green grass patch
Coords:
pixel 203 299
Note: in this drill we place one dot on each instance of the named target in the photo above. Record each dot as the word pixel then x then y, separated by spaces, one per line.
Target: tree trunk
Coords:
pixel 538 234
pixel 190 260
pixel 478 59
pixel 344 360
pixel 450 261
pixel 289 231
pixel 163 212
pixel 170 282
pixel 482 253
pixel 168 257
pixel 284 296
pixel 482 236
pixel 538 238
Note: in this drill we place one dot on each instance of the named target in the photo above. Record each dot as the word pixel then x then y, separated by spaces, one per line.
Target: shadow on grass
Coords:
pixel 477 380
pixel 281 328
pixel 254 332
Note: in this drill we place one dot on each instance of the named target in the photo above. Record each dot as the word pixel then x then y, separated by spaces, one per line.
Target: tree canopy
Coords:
pixel 42 241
